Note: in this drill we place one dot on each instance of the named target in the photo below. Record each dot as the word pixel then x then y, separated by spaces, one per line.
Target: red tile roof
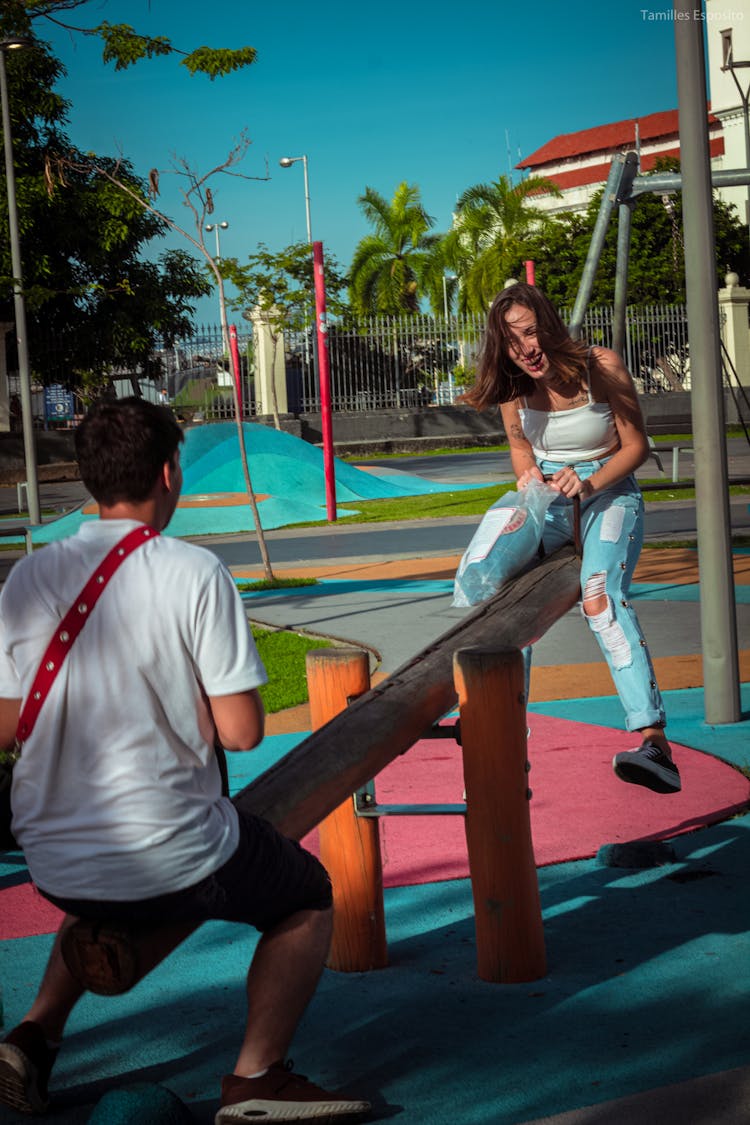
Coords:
pixel 597 173
pixel 606 138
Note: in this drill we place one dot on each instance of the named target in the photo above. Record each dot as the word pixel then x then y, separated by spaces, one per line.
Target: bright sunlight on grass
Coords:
pixel 283 654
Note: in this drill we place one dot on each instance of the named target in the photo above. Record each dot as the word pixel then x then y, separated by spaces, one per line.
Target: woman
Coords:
pixel 572 417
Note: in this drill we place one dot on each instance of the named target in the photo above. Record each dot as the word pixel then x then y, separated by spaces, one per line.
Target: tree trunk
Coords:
pixel 267 570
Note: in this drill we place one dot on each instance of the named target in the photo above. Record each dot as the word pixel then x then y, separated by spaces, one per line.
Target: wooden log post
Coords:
pixel 349 845
pixel 492 703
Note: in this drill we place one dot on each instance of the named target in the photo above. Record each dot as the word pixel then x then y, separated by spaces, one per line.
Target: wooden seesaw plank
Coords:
pixel 353 747
pixel 348 751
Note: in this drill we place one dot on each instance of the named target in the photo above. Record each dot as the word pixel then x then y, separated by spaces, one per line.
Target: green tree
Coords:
pixel 122 45
pixel 284 280
pixel 389 266
pixel 281 285
pixel 490 238
pixel 92 302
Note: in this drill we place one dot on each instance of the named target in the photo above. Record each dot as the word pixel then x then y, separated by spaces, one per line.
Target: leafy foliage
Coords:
pixel 389 265
pixel 656 267
pixel 92 303
pixel 123 45
pixel 281 284
pixel 490 236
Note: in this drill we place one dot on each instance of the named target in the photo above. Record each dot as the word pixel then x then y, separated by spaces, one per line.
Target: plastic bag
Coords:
pixel 505 541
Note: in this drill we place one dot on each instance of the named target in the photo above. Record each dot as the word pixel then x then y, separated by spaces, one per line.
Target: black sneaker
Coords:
pixel 282 1095
pixel 648 765
pixel 25 1065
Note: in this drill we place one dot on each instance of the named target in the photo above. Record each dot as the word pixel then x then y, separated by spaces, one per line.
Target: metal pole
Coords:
pixel 226 346
pixel 621 278
pixel 307 200
pixel 718 619
pixel 321 327
pixel 621 174
pixel 24 375
pixel 315 344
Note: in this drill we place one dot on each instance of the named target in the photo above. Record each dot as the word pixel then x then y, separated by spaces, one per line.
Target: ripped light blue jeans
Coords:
pixel 612 537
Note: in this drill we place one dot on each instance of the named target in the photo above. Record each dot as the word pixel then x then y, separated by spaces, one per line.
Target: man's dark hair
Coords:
pixel 121 446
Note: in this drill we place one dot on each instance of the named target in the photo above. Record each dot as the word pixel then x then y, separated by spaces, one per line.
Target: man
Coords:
pixel 117 799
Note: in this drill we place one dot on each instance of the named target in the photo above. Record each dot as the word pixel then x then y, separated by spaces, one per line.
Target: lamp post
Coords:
pixel 729 63
pixel 24 376
pixel 217 227
pixel 286 162
pixel 222 306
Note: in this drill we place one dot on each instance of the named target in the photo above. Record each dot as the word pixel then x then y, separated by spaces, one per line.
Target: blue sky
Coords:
pixel 434 94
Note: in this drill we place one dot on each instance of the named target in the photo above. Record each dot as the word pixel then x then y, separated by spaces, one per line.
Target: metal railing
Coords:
pixel 387 363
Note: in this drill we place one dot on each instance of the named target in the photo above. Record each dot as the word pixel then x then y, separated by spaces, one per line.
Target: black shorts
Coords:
pixel 267 879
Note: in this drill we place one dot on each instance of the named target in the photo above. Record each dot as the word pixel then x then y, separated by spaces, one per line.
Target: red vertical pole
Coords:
pixel 530 276
pixel 325 379
pixel 236 369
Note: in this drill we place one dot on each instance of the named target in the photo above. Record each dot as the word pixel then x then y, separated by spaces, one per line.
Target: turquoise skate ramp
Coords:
pixel 288 478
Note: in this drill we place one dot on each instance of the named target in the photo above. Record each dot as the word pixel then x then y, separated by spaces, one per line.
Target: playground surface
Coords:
pixel 641 1015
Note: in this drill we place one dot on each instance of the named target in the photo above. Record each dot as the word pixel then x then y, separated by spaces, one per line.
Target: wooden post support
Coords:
pixel 349 845
pixel 510 936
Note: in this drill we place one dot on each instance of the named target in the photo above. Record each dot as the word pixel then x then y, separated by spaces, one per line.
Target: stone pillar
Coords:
pixel 734 301
pixel 5 328
pixel 269 362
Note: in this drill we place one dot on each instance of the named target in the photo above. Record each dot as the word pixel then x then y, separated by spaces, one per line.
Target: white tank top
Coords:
pixel 581 434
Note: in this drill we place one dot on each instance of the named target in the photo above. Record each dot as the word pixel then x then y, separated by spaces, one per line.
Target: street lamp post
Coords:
pixel 24 375
pixel 446 310
pixel 217 227
pixel 222 305
pixel 286 162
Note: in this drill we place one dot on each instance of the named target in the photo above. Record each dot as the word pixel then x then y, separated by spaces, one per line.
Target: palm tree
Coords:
pixel 389 265
pixel 491 231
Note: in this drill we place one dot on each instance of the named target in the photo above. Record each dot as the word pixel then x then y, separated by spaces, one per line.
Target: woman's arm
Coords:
pixel 522 458
pixel 614 381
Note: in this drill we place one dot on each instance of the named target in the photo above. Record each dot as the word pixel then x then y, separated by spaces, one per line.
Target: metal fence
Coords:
pixel 401 362
pixel 388 363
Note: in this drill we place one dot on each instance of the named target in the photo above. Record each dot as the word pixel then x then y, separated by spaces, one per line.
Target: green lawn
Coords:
pixel 283 654
pixel 471 502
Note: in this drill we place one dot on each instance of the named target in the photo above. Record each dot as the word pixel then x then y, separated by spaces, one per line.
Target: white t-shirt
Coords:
pixel 117 793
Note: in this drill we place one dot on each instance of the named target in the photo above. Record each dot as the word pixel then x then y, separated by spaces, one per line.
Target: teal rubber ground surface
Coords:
pixel 647 983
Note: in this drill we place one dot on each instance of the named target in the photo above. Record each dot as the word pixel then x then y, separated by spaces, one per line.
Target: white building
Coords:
pixel 579 162
pixel 726 99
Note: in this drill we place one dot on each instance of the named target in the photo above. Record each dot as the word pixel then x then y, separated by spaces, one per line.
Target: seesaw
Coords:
pixel 477 663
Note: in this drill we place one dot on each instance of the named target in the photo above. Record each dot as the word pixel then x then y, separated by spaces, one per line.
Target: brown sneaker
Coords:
pixel 281 1095
pixel 25 1065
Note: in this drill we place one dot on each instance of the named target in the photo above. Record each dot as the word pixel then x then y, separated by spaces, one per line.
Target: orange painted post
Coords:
pixel 349 845
pixel 509 931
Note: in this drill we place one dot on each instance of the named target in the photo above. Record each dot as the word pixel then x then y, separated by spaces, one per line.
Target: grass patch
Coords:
pixel 471 502
pixel 678 493
pixel 435 505
pixel 443 451
pixel 668 544
pixel 283 654
pixel 275 584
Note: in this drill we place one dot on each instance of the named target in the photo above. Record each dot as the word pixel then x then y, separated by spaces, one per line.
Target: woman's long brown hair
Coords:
pixel 499 379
